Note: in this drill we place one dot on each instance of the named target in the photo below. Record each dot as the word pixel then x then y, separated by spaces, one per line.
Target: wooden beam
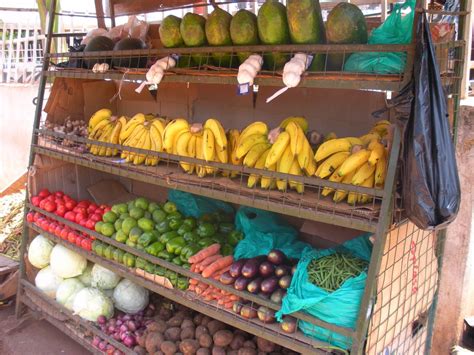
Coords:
pixel 99 10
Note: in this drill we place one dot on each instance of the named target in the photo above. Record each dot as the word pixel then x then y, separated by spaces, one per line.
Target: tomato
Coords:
pixel 59 194
pixel 106 209
pixel 79 240
pixel 50 206
pixel 64 232
pixel 103 206
pixel 44 193
pixel 61 210
pixel 35 201
pixel 52 226
pixel 59 201
pixel 70 204
pixel 84 203
pixel 51 198
pixel 70 216
pixel 95 217
pixel 86 244
pixel 57 231
pixel 90 224
pixel 71 237
pixel 83 222
pixel 30 217
pixel 44 224
pixel 99 211
pixel 42 203
pixel 93 206
pixel 80 216
pixel 79 209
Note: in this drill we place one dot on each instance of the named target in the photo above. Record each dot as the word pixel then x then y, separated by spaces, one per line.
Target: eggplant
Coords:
pixel 282 270
pixel 248 312
pixel 266 269
pixel 277 296
pixel 241 283
pixel 269 285
pixel 237 307
pixel 288 325
pixel 226 278
pixel 266 315
pixel 236 267
pixel 254 285
pixel 285 282
pixel 250 268
pixel 293 269
pixel 276 257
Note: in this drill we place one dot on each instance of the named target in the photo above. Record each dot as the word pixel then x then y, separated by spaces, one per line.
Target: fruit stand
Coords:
pixel 133 192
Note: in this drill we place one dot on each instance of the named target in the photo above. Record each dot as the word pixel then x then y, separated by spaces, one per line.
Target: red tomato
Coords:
pixel 50 206
pixel 90 224
pixel 64 232
pixel 86 244
pixel 106 209
pixel 35 201
pixel 42 203
pixel 51 198
pixel 79 209
pixel 70 204
pixel 57 231
pixel 30 217
pixel 99 211
pixel 83 222
pixel 44 224
pixel 92 207
pixel 79 240
pixel 44 193
pixel 80 217
pixel 59 194
pixel 84 203
pixel 95 217
pixel 61 210
pixel 59 201
pixel 70 216
pixel 52 227
pixel 103 206
pixel 36 216
pixel 71 237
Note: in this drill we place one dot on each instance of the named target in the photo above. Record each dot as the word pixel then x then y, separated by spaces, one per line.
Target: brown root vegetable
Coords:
pixel 265 345
pixel 173 334
pixel 164 314
pixel 205 340
pixel 250 344
pixel 189 346
pixel 187 333
pixel 141 339
pixel 248 312
pixel 233 352
pixel 217 350
pixel 288 325
pixel 237 342
pixel 187 323
pixel 214 326
pixel 247 351
pixel 200 329
pixel 139 350
pixel 175 321
pixel 159 352
pixel 203 351
pixel 205 320
pixel 197 320
pixel 223 338
pixel 157 326
pixel 153 342
pixel 168 348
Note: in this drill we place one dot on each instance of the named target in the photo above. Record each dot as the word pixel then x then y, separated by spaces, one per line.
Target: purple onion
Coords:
pixel 111 328
pixel 126 317
pixel 101 319
pixel 95 341
pixel 103 327
pixel 110 347
pixel 149 321
pixel 132 326
pixel 140 313
pixel 129 341
pixel 116 336
pixel 117 352
pixel 123 328
pixel 112 321
pixel 102 345
pixel 123 335
pixel 119 323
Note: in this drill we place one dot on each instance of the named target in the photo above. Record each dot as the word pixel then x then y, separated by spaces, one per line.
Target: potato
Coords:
pixel 168 347
pixel 198 319
pixel 164 314
pixel 203 351
pixel 189 346
pixel 141 339
pixel 237 342
pixel 275 353
pixel 233 352
pixel 187 323
pixel 173 333
pixel 153 342
pixel 200 329
pixel 175 321
pixel 139 350
pixel 157 326
pixel 265 345
pixel 250 344
pixel 223 338
pixel 205 340
pixel 247 351
pixel 159 352
pixel 214 326
pixel 261 353
pixel 205 320
pixel 217 350
pixel 241 333
pixel 187 333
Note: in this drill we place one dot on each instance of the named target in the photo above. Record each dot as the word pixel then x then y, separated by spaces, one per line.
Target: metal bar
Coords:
pixel 368 300
pixel 443 12
pixel 36 122
pixel 297 342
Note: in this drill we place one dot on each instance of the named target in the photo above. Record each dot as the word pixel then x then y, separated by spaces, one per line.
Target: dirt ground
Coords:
pixel 32 336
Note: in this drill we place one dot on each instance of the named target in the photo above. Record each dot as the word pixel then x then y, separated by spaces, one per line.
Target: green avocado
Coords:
pixel 218 34
pixel 244 31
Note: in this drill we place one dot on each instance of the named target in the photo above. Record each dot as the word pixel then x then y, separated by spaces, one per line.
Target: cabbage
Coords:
pixel 66 263
pixel 90 303
pixel 129 297
pixel 47 281
pixel 86 276
pixel 103 278
pixel 39 251
pixel 67 290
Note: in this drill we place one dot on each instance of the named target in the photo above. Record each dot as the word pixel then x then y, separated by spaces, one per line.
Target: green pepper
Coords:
pixel 130 243
pixel 171 275
pixel 163 227
pixel 158 216
pixel 146 239
pixel 227 249
pixel 190 221
pixel 165 255
pixel 183 229
pixel 205 242
pixel 234 237
pixel 150 268
pixel 226 228
pixel 177 261
pixel 108 252
pixel 160 270
pixel 206 230
pixel 188 251
pixel 118 255
pixel 129 260
pixel 175 245
pixel 170 207
pixel 176 223
pixel 166 237
pixel 182 283
pixel 155 248
pixel 98 248
pixel 174 215
pixel 190 237
pixel 120 236
pixel 186 266
pixel 141 263
pixel 156 234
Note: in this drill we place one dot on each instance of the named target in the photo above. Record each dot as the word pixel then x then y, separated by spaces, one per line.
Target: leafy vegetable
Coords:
pixel 86 277
pixel 47 281
pixel 66 263
pixel 39 251
pixel 67 290
pixel 90 303
pixel 129 297
pixel 103 278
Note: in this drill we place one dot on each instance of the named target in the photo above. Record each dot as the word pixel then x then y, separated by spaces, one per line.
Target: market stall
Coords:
pixel 234 166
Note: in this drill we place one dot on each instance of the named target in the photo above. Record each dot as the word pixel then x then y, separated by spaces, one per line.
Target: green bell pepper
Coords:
pixel 175 245
pixel 177 261
pixel 146 239
pixel 166 237
pixel 155 248
pixel 227 249
pixel 174 215
pixel 186 266
pixel 158 216
pixel 150 268
pixel 205 242
pixel 129 260
pixel 182 283
pixel 98 247
pixel 234 237
pixel 183 229
pixel 206 230
pixel 175 223
pixel 188 251
pixel 141 263
pixel 160 270
pixel 163 227
pixel 190 237
pixel 226 228
pixel 108 252
pixel 118 255
pixel 120 237
pixel 165 255
pixel 140 247
pixel 190 221
pixel 170 207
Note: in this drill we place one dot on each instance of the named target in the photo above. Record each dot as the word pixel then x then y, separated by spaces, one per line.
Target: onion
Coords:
pixel 116 336
pixel 102 345
pixel 111 328
pixel 129 341
pixel 131 325
pixel 119 323
pixel 101 319
pixel 123 328
pixel 117 352
pixel 95 341
pixel 149 321
pixel 123 335
pixel 126 317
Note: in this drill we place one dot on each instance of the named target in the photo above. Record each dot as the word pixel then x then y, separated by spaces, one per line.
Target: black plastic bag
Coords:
pixel 431 190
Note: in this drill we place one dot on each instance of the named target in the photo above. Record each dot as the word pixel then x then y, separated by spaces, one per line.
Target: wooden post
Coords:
pixel 99 10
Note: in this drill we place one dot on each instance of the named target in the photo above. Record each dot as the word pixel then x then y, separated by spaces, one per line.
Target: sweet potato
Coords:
pixel 139 350
pixel 217 350
pixel 153 342
pixel 172 334
pixel 214 326
pixel 200 329
pixel 168 348
pixel 265 345
pixel 203 351
pixel 223 338
pixel 175 321
pixel 250 344
pixel 189 347
pixel 205 321
pixel 187 333
pixel 198 319
pixel 237 342
pixel 205 340
pixel 157 326
pixel 233 352
pixel 187 323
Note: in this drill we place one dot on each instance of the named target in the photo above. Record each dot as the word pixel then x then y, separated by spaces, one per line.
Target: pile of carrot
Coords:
pixel 210 264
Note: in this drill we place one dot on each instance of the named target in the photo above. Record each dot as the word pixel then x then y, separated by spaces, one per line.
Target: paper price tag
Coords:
pixel 243 89
pixel 309 61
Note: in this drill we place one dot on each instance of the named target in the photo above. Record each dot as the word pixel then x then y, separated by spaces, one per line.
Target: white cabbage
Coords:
pixel 47 281
pixel 67 290
pixel 103 278
pixel 39 251
pixel 67 263
pixel 129 297
pixel 90 303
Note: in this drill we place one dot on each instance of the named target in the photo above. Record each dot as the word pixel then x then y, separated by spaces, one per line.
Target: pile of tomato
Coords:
pixel 84 213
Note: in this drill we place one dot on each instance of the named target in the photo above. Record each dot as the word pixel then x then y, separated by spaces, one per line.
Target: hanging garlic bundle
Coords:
pixel 249 69
pixel 294 69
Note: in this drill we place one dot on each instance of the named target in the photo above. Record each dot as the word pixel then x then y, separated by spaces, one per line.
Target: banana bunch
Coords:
pixel 104 127
pixel 143 132
pixel 359 161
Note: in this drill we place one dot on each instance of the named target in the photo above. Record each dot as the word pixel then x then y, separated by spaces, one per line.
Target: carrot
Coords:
pixel 218 265
pixel 229 305
pixel 208 298
pixel 192 287
pixel 234 297
pixel 210 259
pixel 193 281
pixel 220 302
pixel 203 254
pixel 193 267
pixel 207 291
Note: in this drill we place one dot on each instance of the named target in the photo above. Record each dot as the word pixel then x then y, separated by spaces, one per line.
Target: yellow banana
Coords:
pixel 105 138
pixel 171 132
pixel 99 116
pixel 296 170
pixel 367 138
pixel 232 139
pixel 340 195
pixel 267 182
pixel 277 149
pixel 159 125
pixel 191 152
pixel 247 143
pixel 382 122
pixel 155 147
pixel 221 154
pixel 331 147
pixel 353 162
pixel 381 171
pixel 297 137
pixel 381 130
pixel 331 164
pixel 132 142
pixel 182 148
pixel 335 177
pixel 260 164
pixel 114 138
pixel 365 198
pixel 253 128
pixel 377 151
pixel 157 138
pixel 96 132
pixel 306 159
pixel 300 121
pixel 362 173
pixel 208 143
pixel 254 154
pixel 218 131
pixel 138 119
pixel 284 166
pixel 201 171
pixel 144 143
pixel 354 140
pixel 329 136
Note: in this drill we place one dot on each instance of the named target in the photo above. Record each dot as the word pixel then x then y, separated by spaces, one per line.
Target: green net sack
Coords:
pixel 195 206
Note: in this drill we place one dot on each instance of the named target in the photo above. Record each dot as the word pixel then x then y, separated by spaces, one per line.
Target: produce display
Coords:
pixel 71 127
pixel 331 271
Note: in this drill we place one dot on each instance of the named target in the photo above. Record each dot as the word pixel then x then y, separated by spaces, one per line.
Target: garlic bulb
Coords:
pixel 100 68
pixel 249 69
pixel 291 79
